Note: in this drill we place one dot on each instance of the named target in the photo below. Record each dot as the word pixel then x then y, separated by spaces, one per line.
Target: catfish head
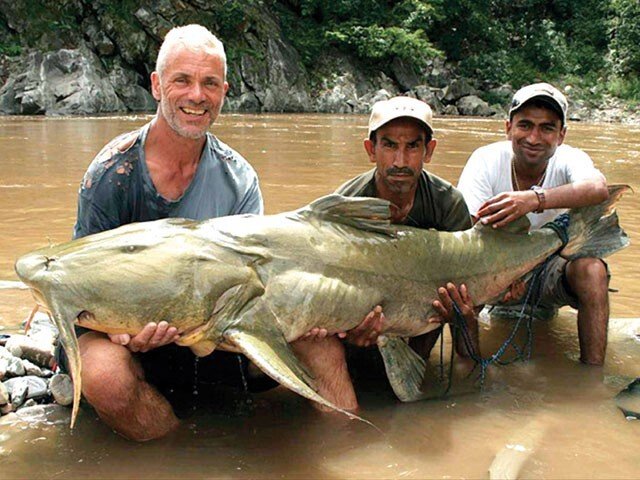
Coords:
pixel 119 280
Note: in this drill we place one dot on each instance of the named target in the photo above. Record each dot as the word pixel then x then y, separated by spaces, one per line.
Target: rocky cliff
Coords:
pixel 95 56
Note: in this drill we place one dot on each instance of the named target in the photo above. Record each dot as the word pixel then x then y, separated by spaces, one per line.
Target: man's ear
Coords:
pixel 563 132
pixel 155 85
pixel 370 148
pixel 429 149
pixel 507 129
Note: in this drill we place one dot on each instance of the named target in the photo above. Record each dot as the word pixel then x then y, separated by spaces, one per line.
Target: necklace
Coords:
pixel 515 176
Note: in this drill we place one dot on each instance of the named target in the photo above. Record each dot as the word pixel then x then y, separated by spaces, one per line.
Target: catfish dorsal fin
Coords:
pixel 521 225
pixel 371 214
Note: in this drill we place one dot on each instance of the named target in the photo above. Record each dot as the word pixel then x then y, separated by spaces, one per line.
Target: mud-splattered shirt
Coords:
pixel 438 204
pixel 117 188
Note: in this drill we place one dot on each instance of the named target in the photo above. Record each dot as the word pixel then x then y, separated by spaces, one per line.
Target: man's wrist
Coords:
pixel 541 197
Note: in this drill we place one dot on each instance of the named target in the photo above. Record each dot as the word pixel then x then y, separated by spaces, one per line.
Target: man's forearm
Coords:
pixel 578 194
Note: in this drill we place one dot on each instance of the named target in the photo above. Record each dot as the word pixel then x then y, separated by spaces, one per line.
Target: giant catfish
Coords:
pixel 254 283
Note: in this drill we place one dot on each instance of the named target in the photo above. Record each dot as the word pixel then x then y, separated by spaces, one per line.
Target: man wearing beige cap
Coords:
pixel 534 173
pixel 400 142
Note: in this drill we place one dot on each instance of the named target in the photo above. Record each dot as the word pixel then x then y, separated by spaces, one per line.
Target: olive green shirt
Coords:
pixel 438 204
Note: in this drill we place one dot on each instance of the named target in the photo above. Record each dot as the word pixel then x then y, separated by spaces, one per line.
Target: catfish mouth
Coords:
pixel 39 298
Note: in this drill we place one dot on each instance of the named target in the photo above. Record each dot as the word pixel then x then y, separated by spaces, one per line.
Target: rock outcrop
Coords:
pixel 105 66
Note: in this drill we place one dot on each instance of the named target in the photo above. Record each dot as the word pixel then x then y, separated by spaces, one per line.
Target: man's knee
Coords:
pixel 587 276
pixel 109 371
pixel 328 351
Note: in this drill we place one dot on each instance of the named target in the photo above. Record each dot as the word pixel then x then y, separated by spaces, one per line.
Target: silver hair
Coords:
pixel 193 37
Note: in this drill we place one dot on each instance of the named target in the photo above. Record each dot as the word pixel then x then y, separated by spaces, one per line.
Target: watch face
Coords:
pixel 536 187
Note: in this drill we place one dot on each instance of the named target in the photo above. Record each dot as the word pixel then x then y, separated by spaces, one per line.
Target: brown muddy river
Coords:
pixel 553 413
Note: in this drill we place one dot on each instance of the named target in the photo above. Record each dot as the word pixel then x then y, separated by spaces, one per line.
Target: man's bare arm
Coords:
pixel 509 206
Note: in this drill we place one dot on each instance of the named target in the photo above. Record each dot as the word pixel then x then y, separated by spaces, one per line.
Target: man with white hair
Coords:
pixel 171 167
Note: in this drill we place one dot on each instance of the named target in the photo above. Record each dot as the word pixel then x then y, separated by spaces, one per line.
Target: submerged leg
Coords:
pixel 325 359
pixel 588 279
pixel 113 383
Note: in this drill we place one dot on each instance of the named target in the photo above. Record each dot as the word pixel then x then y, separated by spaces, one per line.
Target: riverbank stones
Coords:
pixel 61 388
pixel 4 394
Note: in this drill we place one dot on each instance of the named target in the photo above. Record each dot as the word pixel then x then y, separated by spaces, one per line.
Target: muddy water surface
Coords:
pixel 553 413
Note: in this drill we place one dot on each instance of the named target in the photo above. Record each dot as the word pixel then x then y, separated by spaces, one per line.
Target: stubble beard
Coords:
pixel 171 116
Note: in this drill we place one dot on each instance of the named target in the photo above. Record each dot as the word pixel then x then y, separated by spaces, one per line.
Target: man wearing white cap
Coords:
pixel 400 142
pixel 533 173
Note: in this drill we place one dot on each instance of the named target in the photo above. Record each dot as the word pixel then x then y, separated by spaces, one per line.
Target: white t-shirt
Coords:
pixel 488 173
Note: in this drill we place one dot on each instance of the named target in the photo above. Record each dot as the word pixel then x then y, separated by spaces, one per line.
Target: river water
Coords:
pixel 553 413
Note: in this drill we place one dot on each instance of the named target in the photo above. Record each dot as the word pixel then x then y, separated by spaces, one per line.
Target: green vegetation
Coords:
pixel 593 45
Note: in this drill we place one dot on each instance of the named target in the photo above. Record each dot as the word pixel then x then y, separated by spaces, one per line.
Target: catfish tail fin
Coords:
pixel 593 231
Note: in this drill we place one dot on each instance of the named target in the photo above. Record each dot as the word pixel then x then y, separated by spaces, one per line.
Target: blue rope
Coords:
pixel 560 226
pixel 459 326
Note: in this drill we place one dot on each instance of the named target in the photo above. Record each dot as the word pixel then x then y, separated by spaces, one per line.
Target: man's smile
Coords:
pixel 194 111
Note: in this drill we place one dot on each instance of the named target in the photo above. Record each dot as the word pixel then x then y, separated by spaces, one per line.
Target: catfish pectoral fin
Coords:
pixel 405 368
pixel 269 350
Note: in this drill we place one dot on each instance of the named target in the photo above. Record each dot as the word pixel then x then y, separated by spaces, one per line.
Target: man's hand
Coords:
pixel 516 291
pixel 363 335
pixel 451 294
pixel 369 329
pixel 445 310
pixel 507 207
pixel 150 337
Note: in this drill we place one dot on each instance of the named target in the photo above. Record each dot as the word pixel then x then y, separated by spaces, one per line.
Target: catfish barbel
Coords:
pixel 255 283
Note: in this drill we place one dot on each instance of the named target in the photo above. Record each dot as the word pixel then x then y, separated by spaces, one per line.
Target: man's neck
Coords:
pixel 527 174
pixel 170 149
pixel 172 160
pixel 402 202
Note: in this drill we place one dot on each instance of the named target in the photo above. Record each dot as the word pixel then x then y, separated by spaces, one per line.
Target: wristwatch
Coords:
pixel 542 200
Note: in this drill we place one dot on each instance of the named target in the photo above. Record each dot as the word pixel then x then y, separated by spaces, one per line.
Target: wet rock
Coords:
pixel 18 391
pixel 62 82
pixel 153 24
pixel 127 85
pixel 11 367
pixel 4 394
pixel 61 388
pixel 32 369
pixel 23 346
pixel 429 96
pixel 335 95
pixel 457 89
pixel 29 403
pixel 473 105
pixel 404 73
pixel 450 110
pixel 98 40
pixel 285 89
pixel 34 387
pixel 51 414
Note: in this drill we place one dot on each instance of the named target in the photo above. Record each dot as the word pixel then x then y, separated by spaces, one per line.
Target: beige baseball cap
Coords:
pixel 386 110
pixel 541 91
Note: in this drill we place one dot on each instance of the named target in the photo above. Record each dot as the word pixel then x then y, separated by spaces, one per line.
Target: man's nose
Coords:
pixel 534 135
pixel 400 158
pixel 196 93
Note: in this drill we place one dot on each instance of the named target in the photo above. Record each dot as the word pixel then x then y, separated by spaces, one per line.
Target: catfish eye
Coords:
pixel 130 249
